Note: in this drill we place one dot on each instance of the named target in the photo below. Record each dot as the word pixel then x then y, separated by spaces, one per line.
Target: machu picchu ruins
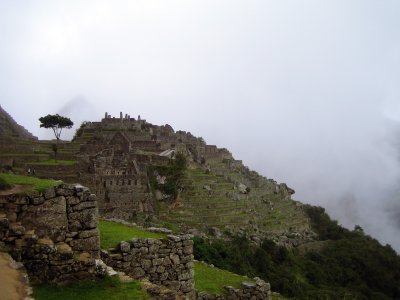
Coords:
pixel 127 171
pixel 120 158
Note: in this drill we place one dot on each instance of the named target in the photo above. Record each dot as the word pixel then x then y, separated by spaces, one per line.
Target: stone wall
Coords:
pixel 259 290
pixel 54 234
pixel 167 262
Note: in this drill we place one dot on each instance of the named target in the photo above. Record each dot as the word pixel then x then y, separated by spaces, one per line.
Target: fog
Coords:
pixel 305 92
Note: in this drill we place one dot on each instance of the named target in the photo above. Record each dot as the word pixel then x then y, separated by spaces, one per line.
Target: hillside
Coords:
pixel 130 164
pixel 242 221
pixel 10 128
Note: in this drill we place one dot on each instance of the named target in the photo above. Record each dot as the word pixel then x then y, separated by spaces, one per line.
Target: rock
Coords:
pixel 159 230
pixel 89 244
pixel 88 233
pixel 84 205
pixel 50 193
pixel 174 238
pixel 207 188
pixel 124 247
pixel 87 218
pixel 138 272
pixel 63 248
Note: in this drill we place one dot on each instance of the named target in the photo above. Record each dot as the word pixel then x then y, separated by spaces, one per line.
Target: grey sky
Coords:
pixel 305 92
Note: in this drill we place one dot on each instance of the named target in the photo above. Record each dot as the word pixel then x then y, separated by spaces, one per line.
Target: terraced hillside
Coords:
pixel 225 200
pixel 120 159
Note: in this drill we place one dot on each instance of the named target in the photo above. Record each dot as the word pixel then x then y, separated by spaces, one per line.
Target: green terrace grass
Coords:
pixel 36 183
pixel 22 155
pixel 112 233
pixel 53 162
pixel 212 280
pixel 108 288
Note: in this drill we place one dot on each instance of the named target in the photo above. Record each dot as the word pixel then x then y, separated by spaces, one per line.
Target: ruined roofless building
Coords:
pixel 115 158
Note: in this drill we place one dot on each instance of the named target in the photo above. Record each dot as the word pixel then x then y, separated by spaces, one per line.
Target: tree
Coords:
pixel 57 123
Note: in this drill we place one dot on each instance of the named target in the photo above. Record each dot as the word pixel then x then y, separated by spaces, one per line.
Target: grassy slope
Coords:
pixel 107 288
pixel 36 183
pixel 209 279
pixel 112 233
pixel 53 162
pixel 212 280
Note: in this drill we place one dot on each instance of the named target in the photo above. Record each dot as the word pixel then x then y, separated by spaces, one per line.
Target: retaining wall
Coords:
pixel 53 233
pixel 167 262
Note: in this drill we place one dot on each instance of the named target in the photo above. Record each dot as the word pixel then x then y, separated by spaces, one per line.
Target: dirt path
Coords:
pixel 12 283
pixel 16 189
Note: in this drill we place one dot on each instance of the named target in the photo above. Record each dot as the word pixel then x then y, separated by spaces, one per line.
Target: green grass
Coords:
pixel 212 280
pixel 106 288
pixel 112 233
pixel 22 155
pixel 53 162
pixel 36 183
pixel 4 185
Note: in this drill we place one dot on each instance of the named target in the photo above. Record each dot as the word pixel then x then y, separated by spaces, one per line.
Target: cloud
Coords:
pixel 303 92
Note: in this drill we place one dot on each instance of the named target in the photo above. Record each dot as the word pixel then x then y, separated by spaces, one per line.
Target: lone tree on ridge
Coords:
pixel 57 123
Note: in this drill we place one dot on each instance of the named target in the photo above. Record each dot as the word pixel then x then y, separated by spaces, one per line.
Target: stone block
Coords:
pixel 173 238
pixel 173 285
pixel 175 259
pixel 187 286
pixel 65 191
pixel 124 247
pixel 50 193
pixel 38 200
pixel 167 261
pixel 146 264
pixel 73 200
pixel 89 244
pixel 158 261
pixel 153 249
pixel 48 219
pixel 88 233
pixel 88 218
pixel 138 272
pixel 188 249
pixel 63 248
pixel 84 205
pixel 4 223
pixel 160 269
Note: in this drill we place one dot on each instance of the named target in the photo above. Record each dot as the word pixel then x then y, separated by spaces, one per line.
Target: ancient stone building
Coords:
pixel 115 157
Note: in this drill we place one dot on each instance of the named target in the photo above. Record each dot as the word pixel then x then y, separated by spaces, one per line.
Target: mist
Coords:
pixel 305 92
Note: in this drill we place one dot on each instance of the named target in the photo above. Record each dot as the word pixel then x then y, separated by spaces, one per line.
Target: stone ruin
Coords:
pixel 54 234
pixel 114 161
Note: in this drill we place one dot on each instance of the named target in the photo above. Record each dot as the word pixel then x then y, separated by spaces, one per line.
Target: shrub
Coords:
pixel 4 185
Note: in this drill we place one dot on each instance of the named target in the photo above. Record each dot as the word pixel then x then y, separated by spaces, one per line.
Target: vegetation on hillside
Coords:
pixel 351 265
pixel 53 162
pixel 174 174
pixel 4 185
pixel 36 183
pixel 110 288
pixel 212 280
pixel 112 233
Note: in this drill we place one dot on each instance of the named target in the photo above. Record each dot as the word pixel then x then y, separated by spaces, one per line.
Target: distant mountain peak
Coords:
pixel 8 127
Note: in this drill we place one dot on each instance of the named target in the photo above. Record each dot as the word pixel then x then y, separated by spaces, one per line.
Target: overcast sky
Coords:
pixel 305 92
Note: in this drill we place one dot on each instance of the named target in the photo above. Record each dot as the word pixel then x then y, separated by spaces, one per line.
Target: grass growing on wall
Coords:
pixel 112 233
pixel 212 280
pixel 109 288
pixel 53 162
pixel 36 183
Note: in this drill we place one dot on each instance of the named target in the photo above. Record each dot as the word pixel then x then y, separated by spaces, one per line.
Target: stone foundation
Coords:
pixel 54 234
pixel 167 262
pixel 260 290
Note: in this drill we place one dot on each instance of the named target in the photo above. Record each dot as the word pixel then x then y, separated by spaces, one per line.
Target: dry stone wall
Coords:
pixel 260 290
pixel 54 234
pixel 167 262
